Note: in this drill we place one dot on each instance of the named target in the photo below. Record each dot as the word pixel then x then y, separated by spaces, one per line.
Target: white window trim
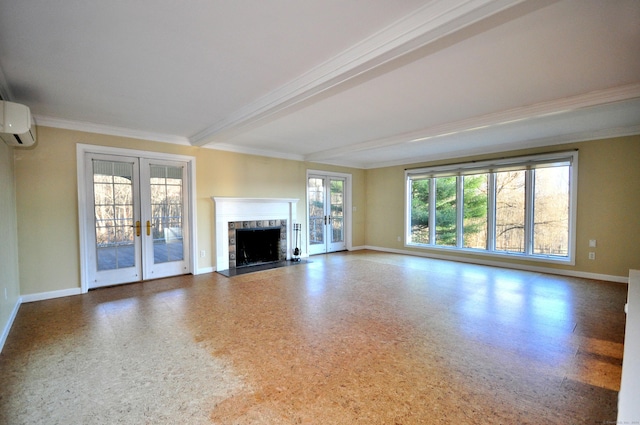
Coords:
pixel 487 166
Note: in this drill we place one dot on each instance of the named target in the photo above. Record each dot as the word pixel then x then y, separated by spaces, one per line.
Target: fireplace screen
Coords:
pixel 257 246
pixel 257 242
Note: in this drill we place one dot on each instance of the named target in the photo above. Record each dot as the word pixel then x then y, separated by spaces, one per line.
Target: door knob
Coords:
pixel 138 228
pixel 148 228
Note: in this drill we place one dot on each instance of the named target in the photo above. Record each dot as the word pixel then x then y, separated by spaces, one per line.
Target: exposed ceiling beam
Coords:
pixel 426 25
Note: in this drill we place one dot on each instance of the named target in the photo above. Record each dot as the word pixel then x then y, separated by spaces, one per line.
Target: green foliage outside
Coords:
pixel 420 211
pixel 446 211
pixel 475 209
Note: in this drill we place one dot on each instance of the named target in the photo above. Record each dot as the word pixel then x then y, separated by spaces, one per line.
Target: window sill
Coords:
pixel 495 254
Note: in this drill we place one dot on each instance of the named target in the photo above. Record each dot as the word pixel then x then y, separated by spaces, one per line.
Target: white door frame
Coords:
pixel 348 202
pixel 83 214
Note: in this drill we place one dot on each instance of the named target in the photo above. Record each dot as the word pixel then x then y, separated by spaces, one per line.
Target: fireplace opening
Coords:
pixel 257 246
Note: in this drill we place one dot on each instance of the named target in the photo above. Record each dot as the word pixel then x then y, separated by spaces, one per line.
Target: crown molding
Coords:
pixel 425 25
pixel 46 121
pixel 538 110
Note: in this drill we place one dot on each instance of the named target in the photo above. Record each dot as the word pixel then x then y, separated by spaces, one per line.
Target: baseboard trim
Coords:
pixel 204 270
pixel 41 296
pixel 7 328
pixel 525 267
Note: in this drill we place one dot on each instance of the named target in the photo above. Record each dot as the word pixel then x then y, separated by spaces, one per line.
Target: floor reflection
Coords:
pixel 362 337
pixel 520 313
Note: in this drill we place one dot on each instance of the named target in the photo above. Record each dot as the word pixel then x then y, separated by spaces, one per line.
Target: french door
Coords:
pixel 326 213
pixel 137 223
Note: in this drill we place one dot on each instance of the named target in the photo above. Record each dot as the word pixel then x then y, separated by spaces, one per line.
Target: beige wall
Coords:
pixel 9 282
pixel 608 205
pixel 46 196
pixel 48 209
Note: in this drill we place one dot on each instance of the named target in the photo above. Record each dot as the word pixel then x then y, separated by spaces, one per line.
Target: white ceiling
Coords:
pixel 365 83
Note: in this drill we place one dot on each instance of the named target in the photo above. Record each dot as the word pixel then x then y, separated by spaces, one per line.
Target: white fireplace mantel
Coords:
pixel 228 209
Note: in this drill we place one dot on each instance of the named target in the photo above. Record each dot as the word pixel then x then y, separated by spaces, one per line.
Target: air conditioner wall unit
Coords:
pixel 16 125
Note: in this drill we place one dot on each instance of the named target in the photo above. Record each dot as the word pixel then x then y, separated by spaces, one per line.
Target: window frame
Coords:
pixel 491 167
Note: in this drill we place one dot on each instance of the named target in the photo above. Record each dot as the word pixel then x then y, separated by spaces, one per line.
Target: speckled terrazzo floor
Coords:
pixel 351 338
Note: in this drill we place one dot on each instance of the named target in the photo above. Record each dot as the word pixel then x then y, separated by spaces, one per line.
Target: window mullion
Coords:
pixel 459 212
pixel 432 211
pixel 408 205
pixel 491 213
pixel 528 211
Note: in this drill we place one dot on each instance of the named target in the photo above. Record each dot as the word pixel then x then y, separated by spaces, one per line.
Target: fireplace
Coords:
pixel 257 242
pixel 233 214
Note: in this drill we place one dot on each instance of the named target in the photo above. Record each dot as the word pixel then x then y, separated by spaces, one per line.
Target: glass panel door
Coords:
pixel 336 215
pixel 316 195
pixel 326 198
pixel 138 228
pixel 164 209
pixel 116 223
pixel 113 200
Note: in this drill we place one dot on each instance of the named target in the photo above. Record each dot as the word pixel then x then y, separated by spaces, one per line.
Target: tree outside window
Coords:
pixel 510 212
pixel 475 209
pixel 446 211
pixel 420 211
pixel 521 208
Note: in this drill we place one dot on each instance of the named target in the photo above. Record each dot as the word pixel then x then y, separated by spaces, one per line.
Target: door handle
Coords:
pixel 148 228
pixel 138 228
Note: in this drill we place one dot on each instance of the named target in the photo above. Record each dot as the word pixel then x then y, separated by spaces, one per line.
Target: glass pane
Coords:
pixel 446 194
pixel 122 194
pixel 158 192
pixel 113 200
pixel 337 213
pixel 420 211
pixel 103 193
pixel 475 191
pixel 510 215
pixel 551 211
pixel 174 191
pixel 316 210
pixel 166 213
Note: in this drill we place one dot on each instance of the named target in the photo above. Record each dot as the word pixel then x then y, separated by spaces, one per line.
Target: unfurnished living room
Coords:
pixel 320 212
